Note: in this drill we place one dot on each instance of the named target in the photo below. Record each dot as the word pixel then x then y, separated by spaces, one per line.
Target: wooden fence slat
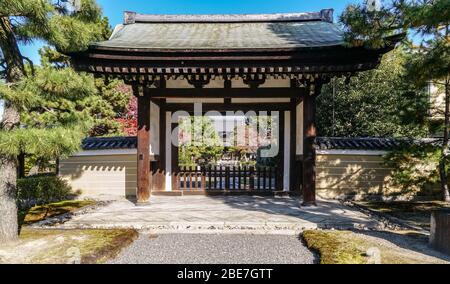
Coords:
pixel 252 178
pixel 245 177
pixel 270 178
pixel 192 178
pixel 239 178
pixel 203 177
pixel 215 177
pixel 258 176
pixel 264 178
pixel 209 177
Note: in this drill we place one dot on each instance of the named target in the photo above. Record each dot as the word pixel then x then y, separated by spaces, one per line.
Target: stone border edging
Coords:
pixel 390 222
pixel 61 219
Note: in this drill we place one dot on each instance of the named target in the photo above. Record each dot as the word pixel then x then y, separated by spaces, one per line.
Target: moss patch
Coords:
pixel 39 213
pixel 414 213
pixel 346 247
pixel 333 248
pixel 68 246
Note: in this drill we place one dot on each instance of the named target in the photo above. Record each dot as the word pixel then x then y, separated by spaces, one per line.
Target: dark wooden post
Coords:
pixel 143 147
pixel 440 230
pixel 21 165
pixel 309 151
pixel 174 159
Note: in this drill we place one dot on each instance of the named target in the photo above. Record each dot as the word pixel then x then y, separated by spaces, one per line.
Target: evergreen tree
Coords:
pixel 109 106
pixel 378 103
pixel 68 29
pixel 431 59
pixel 199 141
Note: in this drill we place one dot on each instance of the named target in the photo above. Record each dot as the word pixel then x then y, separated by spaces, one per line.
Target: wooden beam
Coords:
pixel 228 93
pixel 230 107
pixel 143 146
pixel 309 152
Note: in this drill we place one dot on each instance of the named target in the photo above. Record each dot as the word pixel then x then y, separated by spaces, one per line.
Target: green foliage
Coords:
pixel 428 18
pixel 206 150
pixel 108 102
pixel 57 106
pixel 54 117
pixel 56 22
pixel 107 106
pixel 43 189
pixel 49 143
pixel 430 61
pixel 379 102
pixel 414 167
pixel 370 28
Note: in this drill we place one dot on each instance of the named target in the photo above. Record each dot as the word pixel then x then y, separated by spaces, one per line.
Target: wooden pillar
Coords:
pixel 162 146
pixel 143 145
pixel 309 151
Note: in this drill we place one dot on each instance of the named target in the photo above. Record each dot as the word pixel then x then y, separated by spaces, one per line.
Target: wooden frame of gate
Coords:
pixel 234 179
pixel 149 63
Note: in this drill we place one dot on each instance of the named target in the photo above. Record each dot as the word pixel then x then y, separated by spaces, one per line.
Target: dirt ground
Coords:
pixel 66 246
pixel 383 247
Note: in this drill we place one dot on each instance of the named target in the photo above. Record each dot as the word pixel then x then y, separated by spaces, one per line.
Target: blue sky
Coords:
pixel 113 9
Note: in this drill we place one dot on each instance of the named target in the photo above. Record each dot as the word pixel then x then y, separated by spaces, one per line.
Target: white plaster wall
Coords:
pixel 154 129
pixel 261 100
pixel 192 100
pixel 95 175
pixel 168 149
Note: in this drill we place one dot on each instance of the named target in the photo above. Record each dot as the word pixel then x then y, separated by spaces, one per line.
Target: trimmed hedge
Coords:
pixel 42 189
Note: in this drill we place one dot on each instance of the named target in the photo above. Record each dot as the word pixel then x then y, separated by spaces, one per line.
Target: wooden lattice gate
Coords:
pixel 229 178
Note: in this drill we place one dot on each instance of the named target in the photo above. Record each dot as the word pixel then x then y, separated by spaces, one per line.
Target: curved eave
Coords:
pixel 152 62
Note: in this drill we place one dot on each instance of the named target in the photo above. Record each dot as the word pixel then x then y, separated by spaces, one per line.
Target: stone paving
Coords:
pixel 203 214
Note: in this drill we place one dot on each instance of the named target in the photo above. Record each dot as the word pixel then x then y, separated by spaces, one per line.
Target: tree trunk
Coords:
pixel 10 120
pixel 445 148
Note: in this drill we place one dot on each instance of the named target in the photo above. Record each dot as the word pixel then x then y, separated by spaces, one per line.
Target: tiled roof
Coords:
pixel 332 143
pixel 218 32
pixel 109 143
pixel 368 143
pixel 323 143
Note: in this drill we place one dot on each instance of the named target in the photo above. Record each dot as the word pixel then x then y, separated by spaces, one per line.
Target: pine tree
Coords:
pixel 352 108
pixel 428 18
pixel 68 29
pixel 109 107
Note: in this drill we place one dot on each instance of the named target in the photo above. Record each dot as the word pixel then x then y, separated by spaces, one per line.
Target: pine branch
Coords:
pixel 31 64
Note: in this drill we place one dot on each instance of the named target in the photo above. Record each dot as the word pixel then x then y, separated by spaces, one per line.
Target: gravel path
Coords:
pixel 216 249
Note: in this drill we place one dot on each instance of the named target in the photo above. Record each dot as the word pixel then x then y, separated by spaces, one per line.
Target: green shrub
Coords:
pixel 415 168
pixel 42 189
